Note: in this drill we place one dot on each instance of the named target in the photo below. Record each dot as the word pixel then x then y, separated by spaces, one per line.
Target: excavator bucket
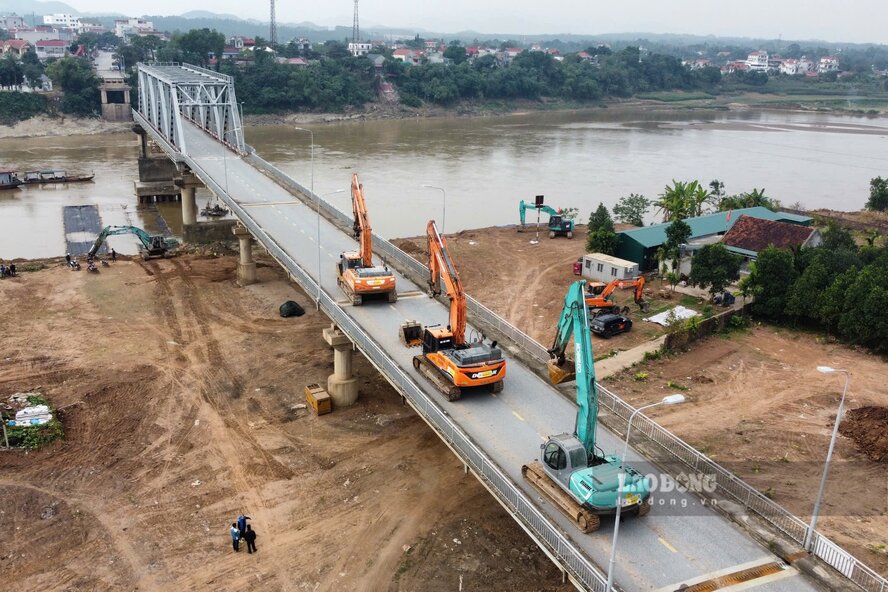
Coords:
pixel 410 334
pixel 563 373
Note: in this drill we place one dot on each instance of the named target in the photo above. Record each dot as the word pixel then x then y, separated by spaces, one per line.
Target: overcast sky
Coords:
pixel 831 20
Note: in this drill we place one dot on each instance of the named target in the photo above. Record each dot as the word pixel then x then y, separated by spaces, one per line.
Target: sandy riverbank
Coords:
pixel 44 125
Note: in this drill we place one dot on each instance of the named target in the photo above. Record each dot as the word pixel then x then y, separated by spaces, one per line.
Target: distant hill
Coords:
pixel 23 7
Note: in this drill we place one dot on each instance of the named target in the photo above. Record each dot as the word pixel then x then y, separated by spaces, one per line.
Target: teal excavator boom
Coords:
pixel 581 480
pixel 152 246
pixel 557 225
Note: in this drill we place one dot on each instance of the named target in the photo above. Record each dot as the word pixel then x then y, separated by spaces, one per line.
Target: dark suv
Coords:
pixel 608 325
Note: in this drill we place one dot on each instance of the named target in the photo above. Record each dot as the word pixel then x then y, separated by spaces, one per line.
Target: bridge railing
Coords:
pixel 645 430
pixel 559 546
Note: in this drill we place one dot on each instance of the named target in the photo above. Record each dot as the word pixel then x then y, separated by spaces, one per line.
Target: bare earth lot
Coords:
pixel 177 388
pixel 756 402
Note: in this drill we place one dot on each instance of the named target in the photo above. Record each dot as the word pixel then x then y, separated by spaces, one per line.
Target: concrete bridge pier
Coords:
pixel 341 385
pixel 188 183
pixel 246 268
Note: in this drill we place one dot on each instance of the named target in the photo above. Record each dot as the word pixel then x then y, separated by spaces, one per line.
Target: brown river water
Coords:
pixel 484 165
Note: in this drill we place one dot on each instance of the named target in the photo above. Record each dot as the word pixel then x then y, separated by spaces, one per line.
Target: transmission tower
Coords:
pixel 356 29
pixel 274 28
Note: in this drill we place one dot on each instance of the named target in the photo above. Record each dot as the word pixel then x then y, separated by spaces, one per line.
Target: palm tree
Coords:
pixel 673 201
pixel 697 198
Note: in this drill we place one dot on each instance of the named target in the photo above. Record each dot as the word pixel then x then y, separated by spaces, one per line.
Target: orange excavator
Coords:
pixel 449 361
pixel 355 272
pixel 598 300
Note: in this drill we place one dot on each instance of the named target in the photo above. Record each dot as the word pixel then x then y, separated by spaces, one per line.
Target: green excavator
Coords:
pixel 574 473
pixel 151 247
pixel 557 225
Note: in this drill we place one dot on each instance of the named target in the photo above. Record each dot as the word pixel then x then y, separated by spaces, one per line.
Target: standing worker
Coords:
pixel 250 537
pixel 235 536
pixel 113 255
pixel 242 524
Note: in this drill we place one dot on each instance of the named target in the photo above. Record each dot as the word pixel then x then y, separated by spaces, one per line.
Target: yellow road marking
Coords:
pixel 667 545
pixel 515 413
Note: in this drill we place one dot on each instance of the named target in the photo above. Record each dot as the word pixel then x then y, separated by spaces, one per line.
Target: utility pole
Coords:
pixel 274 29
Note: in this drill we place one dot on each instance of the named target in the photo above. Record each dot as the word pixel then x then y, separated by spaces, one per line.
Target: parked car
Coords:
pixel 608 325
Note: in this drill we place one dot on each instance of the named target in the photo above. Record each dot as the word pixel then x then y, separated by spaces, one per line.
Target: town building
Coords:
pixel 67 21
pixel 15 47
pixel 378 60
pixel 43 32
pixel 301 43
pixel 128 27
pixel 790 67
pixel 757 61
pixel 606 268
pixel 359 48
pixel 11 21
pixel 238 42
pixel 51 48
pixel 408 56
pixel 749 235
pixel 640 245
pixel 828 64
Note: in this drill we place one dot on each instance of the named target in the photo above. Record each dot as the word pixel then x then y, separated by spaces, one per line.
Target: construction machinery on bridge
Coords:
pixel 575 474
pixel 558 225
pixel 355 272
pixel 598 297
pixel 151 246
pixel 448 360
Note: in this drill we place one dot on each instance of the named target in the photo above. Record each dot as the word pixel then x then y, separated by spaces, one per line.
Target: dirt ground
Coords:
pixel 757 405
pixel 177 391
pixel 526 283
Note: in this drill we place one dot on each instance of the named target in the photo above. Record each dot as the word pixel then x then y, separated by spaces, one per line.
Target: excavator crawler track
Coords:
pixel 585 520
pixel 450 391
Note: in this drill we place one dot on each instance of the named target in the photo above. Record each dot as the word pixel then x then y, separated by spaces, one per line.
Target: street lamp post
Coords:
pixel 668 400
pixel 809 535
pixel 443 205
pixel 318 208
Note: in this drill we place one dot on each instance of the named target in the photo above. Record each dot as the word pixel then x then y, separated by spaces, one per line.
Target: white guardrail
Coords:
pixel 728 484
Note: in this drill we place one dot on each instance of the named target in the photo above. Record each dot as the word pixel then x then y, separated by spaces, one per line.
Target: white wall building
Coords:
pixel 828 64
pixel 11 21
pixel 790 67
pixel 67 21
pixel 757 61
pixel 359 48
pixel 132 26
pixel 606 268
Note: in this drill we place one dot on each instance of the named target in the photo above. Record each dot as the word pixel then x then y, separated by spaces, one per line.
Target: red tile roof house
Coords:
pixel 16 47
pixel 51 48
pixel 750 235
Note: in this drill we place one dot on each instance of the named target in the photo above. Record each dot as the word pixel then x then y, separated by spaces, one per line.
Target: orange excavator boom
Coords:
pixel 362 229
pixel 441 267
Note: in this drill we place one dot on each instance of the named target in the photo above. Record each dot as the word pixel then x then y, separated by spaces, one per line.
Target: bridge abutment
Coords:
pixel 342 385
pixel 246 267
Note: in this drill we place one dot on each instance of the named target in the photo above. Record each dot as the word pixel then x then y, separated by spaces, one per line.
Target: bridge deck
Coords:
pixel 666 548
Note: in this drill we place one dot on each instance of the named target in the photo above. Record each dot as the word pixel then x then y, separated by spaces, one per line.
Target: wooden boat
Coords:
pixel 53 176
pixel 9 180
pixel 215 210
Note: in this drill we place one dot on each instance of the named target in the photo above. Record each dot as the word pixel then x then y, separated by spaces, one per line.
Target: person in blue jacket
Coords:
pixel 235 536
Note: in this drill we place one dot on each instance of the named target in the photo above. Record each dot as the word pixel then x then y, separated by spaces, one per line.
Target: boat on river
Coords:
pixel 9 180
pixel 54 176
pixel 214 211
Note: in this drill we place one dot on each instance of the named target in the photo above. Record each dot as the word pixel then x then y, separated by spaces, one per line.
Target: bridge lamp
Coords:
pixel 443 204
pixel 667 400
pixel 809 535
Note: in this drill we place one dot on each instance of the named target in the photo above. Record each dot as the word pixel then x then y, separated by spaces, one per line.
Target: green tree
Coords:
pixel 878 199
pixel 11 73
pixel 632 208
pixel 455 53
pixel 682 200
pixel 673 279
pixel 78 82
pixel 770 281
pixel 714 267
pixel 600 219
pixel 836 237
pixel 600 235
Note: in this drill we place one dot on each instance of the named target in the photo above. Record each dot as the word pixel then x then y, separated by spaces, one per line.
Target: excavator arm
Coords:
pixel 524 206
pixel 115 230
pixel 574 322
pixel 362 229
pixel 442 268
pixel 603 300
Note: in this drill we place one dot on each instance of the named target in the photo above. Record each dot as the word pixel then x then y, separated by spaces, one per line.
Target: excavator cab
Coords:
pixel 435 339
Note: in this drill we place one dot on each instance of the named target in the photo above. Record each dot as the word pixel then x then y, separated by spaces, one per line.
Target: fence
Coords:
pixel 693 329
pixel 644 429
pixel 556 544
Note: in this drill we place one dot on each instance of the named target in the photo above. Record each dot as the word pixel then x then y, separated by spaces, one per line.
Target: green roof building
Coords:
pixel 640 244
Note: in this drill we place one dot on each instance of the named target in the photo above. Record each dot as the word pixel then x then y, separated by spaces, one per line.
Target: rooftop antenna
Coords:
pixel 274 29
pixel 356 29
